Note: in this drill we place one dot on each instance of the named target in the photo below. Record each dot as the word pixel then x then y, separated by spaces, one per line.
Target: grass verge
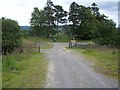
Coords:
pixel 105 60
pixel 26 70
pixel 20 71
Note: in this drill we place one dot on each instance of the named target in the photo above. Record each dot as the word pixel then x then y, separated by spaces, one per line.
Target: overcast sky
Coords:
pixel 20 10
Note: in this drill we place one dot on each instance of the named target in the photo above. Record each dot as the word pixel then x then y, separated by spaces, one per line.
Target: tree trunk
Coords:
pixel 57 28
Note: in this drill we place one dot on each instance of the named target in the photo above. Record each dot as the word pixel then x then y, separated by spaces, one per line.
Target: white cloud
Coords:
pixel 20 10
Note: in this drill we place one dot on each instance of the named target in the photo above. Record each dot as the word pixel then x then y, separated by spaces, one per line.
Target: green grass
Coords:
pixel 26 70
pixel 66 38
pixel 20 71
pixel 63 38
pixel 105 60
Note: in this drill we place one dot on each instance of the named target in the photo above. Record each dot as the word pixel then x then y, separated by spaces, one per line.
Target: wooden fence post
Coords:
pixel 39 48
pixel 70 44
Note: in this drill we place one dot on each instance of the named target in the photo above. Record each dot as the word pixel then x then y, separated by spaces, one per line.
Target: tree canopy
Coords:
pixel 86 23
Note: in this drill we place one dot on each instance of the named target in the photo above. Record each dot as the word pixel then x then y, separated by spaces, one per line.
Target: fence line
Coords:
pixel 89 45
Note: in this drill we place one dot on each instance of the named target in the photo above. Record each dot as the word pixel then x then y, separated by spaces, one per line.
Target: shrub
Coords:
pixel 11 36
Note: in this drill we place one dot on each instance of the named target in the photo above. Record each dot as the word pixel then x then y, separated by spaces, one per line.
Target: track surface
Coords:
pixel 68 69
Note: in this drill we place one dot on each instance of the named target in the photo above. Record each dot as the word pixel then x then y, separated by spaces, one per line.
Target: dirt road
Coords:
pixel 70 70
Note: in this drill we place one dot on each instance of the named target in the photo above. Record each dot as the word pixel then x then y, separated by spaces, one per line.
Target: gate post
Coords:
pixel 39 48
pixel 70 44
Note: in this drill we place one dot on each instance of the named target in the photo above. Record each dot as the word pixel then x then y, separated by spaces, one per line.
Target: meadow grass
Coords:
pixel 23 70
pixel 105 60
pixel 27 70
pixel 43 42
pixel 60 38
pixel 63 38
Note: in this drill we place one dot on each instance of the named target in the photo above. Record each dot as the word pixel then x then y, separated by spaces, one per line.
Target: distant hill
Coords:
pixel 25 27
pixel 28 27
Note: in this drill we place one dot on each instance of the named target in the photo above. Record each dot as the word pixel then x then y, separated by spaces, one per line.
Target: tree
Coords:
pixel 25 33
pixel 49 18
pixel 37 22
pixel 82 20
pixel 106 33
pixel 75 14
pixel 11 37
pixel 87 26
pixel 86 22
pixel 43 21
pixel 59 15
pixel 95 9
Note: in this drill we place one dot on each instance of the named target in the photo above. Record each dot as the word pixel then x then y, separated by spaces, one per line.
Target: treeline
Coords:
pixel 85 23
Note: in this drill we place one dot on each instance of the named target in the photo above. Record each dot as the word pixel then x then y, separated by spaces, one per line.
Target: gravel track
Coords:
pixel 70 70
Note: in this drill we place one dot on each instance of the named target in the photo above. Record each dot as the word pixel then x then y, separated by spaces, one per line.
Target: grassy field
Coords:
pixel 60 38
pixel 20 71
pixel 26 70
pixel 63 38
pixel 66 38
pixel 105 60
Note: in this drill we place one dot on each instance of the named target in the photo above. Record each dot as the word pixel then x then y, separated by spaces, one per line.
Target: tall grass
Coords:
pixel 13 62
pixel 21 68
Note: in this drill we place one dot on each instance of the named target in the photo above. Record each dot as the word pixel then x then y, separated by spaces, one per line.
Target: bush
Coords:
pixel 11 36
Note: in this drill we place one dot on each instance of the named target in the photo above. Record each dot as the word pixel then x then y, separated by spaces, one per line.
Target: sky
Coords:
pixel 20 10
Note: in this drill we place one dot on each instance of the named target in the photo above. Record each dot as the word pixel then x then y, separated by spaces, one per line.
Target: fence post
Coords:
pixel 39 48
pixel 76 44
pixel 70 44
